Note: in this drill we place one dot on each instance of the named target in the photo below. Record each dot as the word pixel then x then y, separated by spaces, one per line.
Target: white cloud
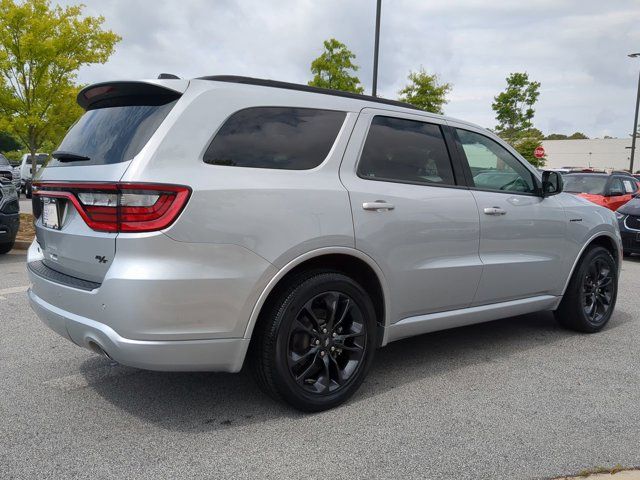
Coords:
pixel 576 49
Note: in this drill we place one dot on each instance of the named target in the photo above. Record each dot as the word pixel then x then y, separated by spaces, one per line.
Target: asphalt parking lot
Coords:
pixel 513 399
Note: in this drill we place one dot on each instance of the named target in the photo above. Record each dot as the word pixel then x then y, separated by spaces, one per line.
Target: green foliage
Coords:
pixel 41 49
pixel 425 92
pixel 526 145
pixel 514 106
pixel 556 136
pixel 578 136
pixel 333 69
pixel 8 142
pixel 561 136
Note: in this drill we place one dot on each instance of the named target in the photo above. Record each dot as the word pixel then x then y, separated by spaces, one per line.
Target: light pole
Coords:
pixel 374 88
pixel 635 120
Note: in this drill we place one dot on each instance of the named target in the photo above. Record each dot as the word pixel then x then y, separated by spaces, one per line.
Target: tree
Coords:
pixel 333 68
pixel 578 136
pixel 556 136
pixel 425 92
pixel 514 106
pixel 41 49
pixel 8 143
pixel 526 145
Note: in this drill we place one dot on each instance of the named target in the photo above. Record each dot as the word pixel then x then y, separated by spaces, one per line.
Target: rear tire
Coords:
pixel 590 298
pixel 315 342
pixel 6 247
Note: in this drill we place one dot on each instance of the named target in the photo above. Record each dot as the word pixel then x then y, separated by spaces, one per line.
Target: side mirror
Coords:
pixel 551 183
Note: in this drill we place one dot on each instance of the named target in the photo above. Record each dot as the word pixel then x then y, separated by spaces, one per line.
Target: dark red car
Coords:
pixel 611 191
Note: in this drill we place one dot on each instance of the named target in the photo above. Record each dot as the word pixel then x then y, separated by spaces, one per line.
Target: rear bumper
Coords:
pixel 223 355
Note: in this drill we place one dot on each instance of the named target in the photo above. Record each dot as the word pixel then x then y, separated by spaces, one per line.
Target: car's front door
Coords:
pixel 522 235
pixel 409 214
pixel 619 191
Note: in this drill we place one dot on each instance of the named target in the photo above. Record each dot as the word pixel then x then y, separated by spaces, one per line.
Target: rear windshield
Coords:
pixel 585 184
pixel 112 134
pixel 40 159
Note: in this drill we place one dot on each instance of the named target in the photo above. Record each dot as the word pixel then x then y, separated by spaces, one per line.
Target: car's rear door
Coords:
pixel 409 213
pixel 522 235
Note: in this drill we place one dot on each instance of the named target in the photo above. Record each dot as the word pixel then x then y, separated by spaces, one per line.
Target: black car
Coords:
pixel 9 215
pixel 629 220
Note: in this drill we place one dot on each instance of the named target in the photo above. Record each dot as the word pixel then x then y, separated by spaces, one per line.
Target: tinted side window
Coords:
pixel 407 151
pixel 616 186
pixel 275 137
pixel 492 166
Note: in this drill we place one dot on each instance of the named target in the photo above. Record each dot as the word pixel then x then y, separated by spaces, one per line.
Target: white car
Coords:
pixel 25 170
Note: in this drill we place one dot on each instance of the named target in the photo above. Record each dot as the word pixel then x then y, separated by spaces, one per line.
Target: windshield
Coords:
pixel 113 134
pixel 40 159
pixel 593 184
pixel 3 161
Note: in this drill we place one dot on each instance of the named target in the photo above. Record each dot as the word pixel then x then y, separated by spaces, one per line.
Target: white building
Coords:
pixel 606 154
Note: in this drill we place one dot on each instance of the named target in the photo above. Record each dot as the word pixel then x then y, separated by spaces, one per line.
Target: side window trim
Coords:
pixel 469 175
pixel 458 181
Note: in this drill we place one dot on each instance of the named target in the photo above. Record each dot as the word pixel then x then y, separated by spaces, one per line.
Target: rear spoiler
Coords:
pixel 120 93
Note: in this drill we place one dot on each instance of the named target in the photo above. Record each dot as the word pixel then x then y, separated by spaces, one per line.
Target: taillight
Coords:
pixel 121 207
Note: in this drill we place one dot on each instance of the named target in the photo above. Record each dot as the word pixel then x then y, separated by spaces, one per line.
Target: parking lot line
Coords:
pixel 8 291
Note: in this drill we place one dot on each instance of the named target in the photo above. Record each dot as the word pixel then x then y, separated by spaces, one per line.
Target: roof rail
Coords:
pixel 304 88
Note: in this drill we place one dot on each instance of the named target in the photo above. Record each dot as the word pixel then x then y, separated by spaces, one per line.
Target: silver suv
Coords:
pixel 193 224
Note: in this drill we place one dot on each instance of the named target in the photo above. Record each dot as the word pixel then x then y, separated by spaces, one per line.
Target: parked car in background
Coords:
pixel 25 170
pixel 610 191
pixel 9 215
pixel 7 171
pixel 188 225
pixel 629 221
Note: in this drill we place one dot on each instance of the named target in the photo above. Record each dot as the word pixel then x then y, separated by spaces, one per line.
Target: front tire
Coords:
pixel 316 341
pixel 6 247
pixel 590 298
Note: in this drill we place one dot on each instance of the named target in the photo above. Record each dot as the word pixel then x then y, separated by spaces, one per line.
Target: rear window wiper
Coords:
pixel 65 156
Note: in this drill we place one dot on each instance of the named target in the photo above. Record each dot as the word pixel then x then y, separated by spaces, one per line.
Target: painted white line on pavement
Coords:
pixel 8 291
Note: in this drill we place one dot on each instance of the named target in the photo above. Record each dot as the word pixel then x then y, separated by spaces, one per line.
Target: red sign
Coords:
pixel 538 152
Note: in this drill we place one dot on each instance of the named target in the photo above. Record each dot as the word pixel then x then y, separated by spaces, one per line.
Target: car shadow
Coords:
pixel 191 402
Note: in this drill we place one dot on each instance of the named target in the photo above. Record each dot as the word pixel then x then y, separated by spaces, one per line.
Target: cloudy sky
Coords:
pixel 576 49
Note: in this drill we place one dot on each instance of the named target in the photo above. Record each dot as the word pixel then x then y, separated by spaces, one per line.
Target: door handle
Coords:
pixel 494 211
pixel 378 206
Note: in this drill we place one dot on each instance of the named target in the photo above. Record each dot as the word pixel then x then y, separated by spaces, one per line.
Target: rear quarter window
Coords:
pixel 275 137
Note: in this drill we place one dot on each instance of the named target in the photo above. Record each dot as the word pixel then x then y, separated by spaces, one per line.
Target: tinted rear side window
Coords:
pixel 113 134
pixel 405 151
pixel 275 137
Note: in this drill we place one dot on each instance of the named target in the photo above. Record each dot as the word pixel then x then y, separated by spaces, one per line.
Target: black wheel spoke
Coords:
pixel 598 289
pixel 306 373
pixel 301 327
pixel 326 374
pixel 326 342
pixel 351 348
pixel 308 311
pixel 343 315
pixel 295 359
pixel 339 378
pixel 331 301
pixel 605 282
